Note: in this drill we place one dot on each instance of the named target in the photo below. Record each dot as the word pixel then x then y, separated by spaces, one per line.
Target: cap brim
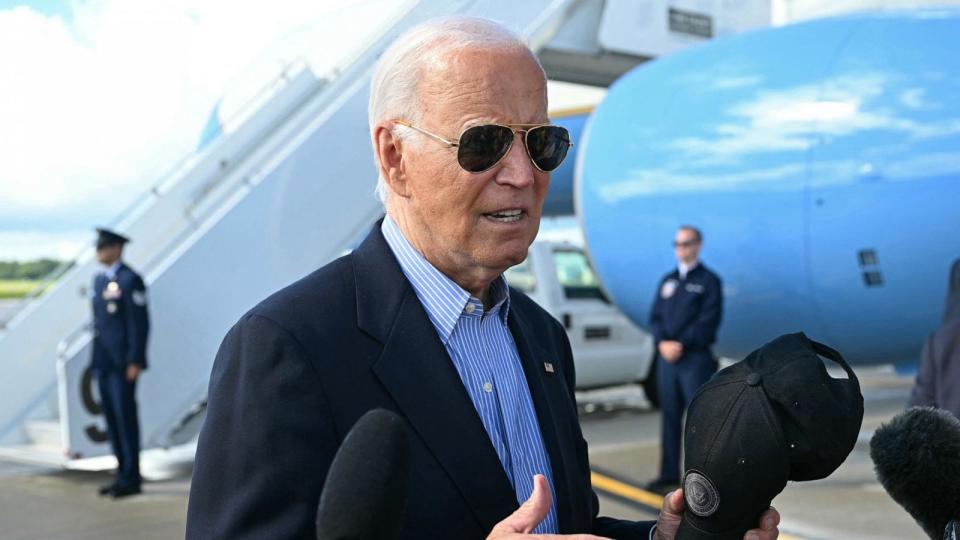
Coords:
pixel 689 531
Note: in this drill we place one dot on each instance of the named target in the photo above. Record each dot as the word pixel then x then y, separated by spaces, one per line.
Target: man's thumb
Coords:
pixel 673 502
pixel 531 512
pixel 670 514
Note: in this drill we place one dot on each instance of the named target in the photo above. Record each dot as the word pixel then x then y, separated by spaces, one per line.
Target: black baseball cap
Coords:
pixel 106 237
pixel 773 417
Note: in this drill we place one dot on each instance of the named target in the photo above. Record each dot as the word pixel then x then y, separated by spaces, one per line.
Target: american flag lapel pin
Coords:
pixel 548 367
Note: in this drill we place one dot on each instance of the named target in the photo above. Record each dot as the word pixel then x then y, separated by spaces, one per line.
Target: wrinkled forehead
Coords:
pixel 476 85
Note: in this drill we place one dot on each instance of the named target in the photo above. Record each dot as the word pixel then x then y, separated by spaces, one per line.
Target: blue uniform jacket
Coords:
pixel 120 321
pixel 688 310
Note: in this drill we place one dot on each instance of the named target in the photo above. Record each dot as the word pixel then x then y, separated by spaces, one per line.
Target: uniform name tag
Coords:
pixel 694 288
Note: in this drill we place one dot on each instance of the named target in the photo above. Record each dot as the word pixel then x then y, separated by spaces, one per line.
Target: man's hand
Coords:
pixel 518 525
pixel 133 371
pixel 672 513
pixel 671 351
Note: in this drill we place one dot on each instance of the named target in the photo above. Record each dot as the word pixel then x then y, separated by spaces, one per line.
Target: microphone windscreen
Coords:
pixel 365 494
pixel 917 459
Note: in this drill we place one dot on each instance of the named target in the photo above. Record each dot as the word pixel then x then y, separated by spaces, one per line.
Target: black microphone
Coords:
pixel 917 459
pixel 365 494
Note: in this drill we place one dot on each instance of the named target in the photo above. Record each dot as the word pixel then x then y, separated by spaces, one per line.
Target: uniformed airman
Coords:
pixel 684 321
pixel 121 325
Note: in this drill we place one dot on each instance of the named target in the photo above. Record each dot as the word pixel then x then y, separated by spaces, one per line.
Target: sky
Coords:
pixel 99 98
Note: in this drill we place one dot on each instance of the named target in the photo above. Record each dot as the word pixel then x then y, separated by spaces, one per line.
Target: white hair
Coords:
pixel 395 84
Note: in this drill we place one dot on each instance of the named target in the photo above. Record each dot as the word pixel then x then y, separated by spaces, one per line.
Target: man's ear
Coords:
pixel 389 150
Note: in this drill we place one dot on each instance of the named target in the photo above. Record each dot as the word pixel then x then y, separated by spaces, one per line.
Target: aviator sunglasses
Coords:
pixel 481 147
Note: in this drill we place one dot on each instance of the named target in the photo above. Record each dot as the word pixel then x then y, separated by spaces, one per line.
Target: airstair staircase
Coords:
pixel 288 189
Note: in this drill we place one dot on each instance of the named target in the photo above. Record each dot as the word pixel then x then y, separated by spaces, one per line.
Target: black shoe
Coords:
pixel 661 487
pixel 106 489
pixel 124 491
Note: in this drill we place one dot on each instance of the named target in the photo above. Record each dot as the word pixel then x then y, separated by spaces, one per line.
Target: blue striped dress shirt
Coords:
pixel 484 354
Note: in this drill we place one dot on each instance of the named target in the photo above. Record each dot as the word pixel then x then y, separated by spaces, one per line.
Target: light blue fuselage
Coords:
pixel 822 162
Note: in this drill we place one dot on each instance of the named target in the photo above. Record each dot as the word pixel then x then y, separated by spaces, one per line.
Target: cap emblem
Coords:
pixel 701 497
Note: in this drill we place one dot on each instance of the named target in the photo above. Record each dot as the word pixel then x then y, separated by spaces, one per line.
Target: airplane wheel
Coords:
pixel 650 385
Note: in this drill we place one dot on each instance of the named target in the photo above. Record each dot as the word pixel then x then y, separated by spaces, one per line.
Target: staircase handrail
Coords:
pixel 159 187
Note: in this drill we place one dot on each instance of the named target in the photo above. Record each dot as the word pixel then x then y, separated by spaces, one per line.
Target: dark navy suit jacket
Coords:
pixel 120 321
pixel 688 310
pixel 297 371
pixel 938 378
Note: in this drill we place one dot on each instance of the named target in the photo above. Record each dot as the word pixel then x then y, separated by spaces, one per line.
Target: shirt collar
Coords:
pixel 111 271
pixel 685 269
pixel 444 300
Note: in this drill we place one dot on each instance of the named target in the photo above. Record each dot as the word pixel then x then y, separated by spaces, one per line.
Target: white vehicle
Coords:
pixel 607 348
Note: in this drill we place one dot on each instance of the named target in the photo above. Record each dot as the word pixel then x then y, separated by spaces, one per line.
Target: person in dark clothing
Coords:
pixel 684 322
pixel 418 320
pixel 121 325
pixel 938 379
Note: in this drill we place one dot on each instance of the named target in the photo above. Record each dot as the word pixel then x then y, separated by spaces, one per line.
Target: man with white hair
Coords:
pixel 419 320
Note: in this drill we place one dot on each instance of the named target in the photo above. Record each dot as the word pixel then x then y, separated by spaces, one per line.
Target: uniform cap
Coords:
pixel 776 416
pixel 106 237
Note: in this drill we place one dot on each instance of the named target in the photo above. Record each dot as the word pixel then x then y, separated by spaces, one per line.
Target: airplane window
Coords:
pixel 575 275
pixel 521 277
pixel 868 257
pixel 873 278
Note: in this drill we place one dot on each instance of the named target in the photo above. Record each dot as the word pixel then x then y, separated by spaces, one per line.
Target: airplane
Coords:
pixel 715 136
pixel 822 162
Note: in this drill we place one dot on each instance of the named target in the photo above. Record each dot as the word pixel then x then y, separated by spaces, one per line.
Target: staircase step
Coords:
pixel 35 454
pixel 44 433
pixel 52 456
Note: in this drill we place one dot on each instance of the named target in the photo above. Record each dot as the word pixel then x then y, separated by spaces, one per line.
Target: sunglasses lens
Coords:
pixel 548 146
pixel 481 147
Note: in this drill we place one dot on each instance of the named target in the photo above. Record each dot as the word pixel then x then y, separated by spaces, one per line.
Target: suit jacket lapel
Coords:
pixel 416 370
pixel 532 358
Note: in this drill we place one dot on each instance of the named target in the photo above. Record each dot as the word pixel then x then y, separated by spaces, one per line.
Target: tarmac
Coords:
pixel 620 426
pixel 848 505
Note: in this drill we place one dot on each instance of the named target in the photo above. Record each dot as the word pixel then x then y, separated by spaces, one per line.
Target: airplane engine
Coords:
pixel 821 160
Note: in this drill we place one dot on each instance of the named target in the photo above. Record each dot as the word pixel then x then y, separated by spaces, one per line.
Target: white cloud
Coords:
pixel 792 119
pixel 29 245
pixel 85 116
pixel 96 105
pixel 730 83
pixel 671 180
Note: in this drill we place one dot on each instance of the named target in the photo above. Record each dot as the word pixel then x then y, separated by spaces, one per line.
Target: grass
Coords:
pixel 15 288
